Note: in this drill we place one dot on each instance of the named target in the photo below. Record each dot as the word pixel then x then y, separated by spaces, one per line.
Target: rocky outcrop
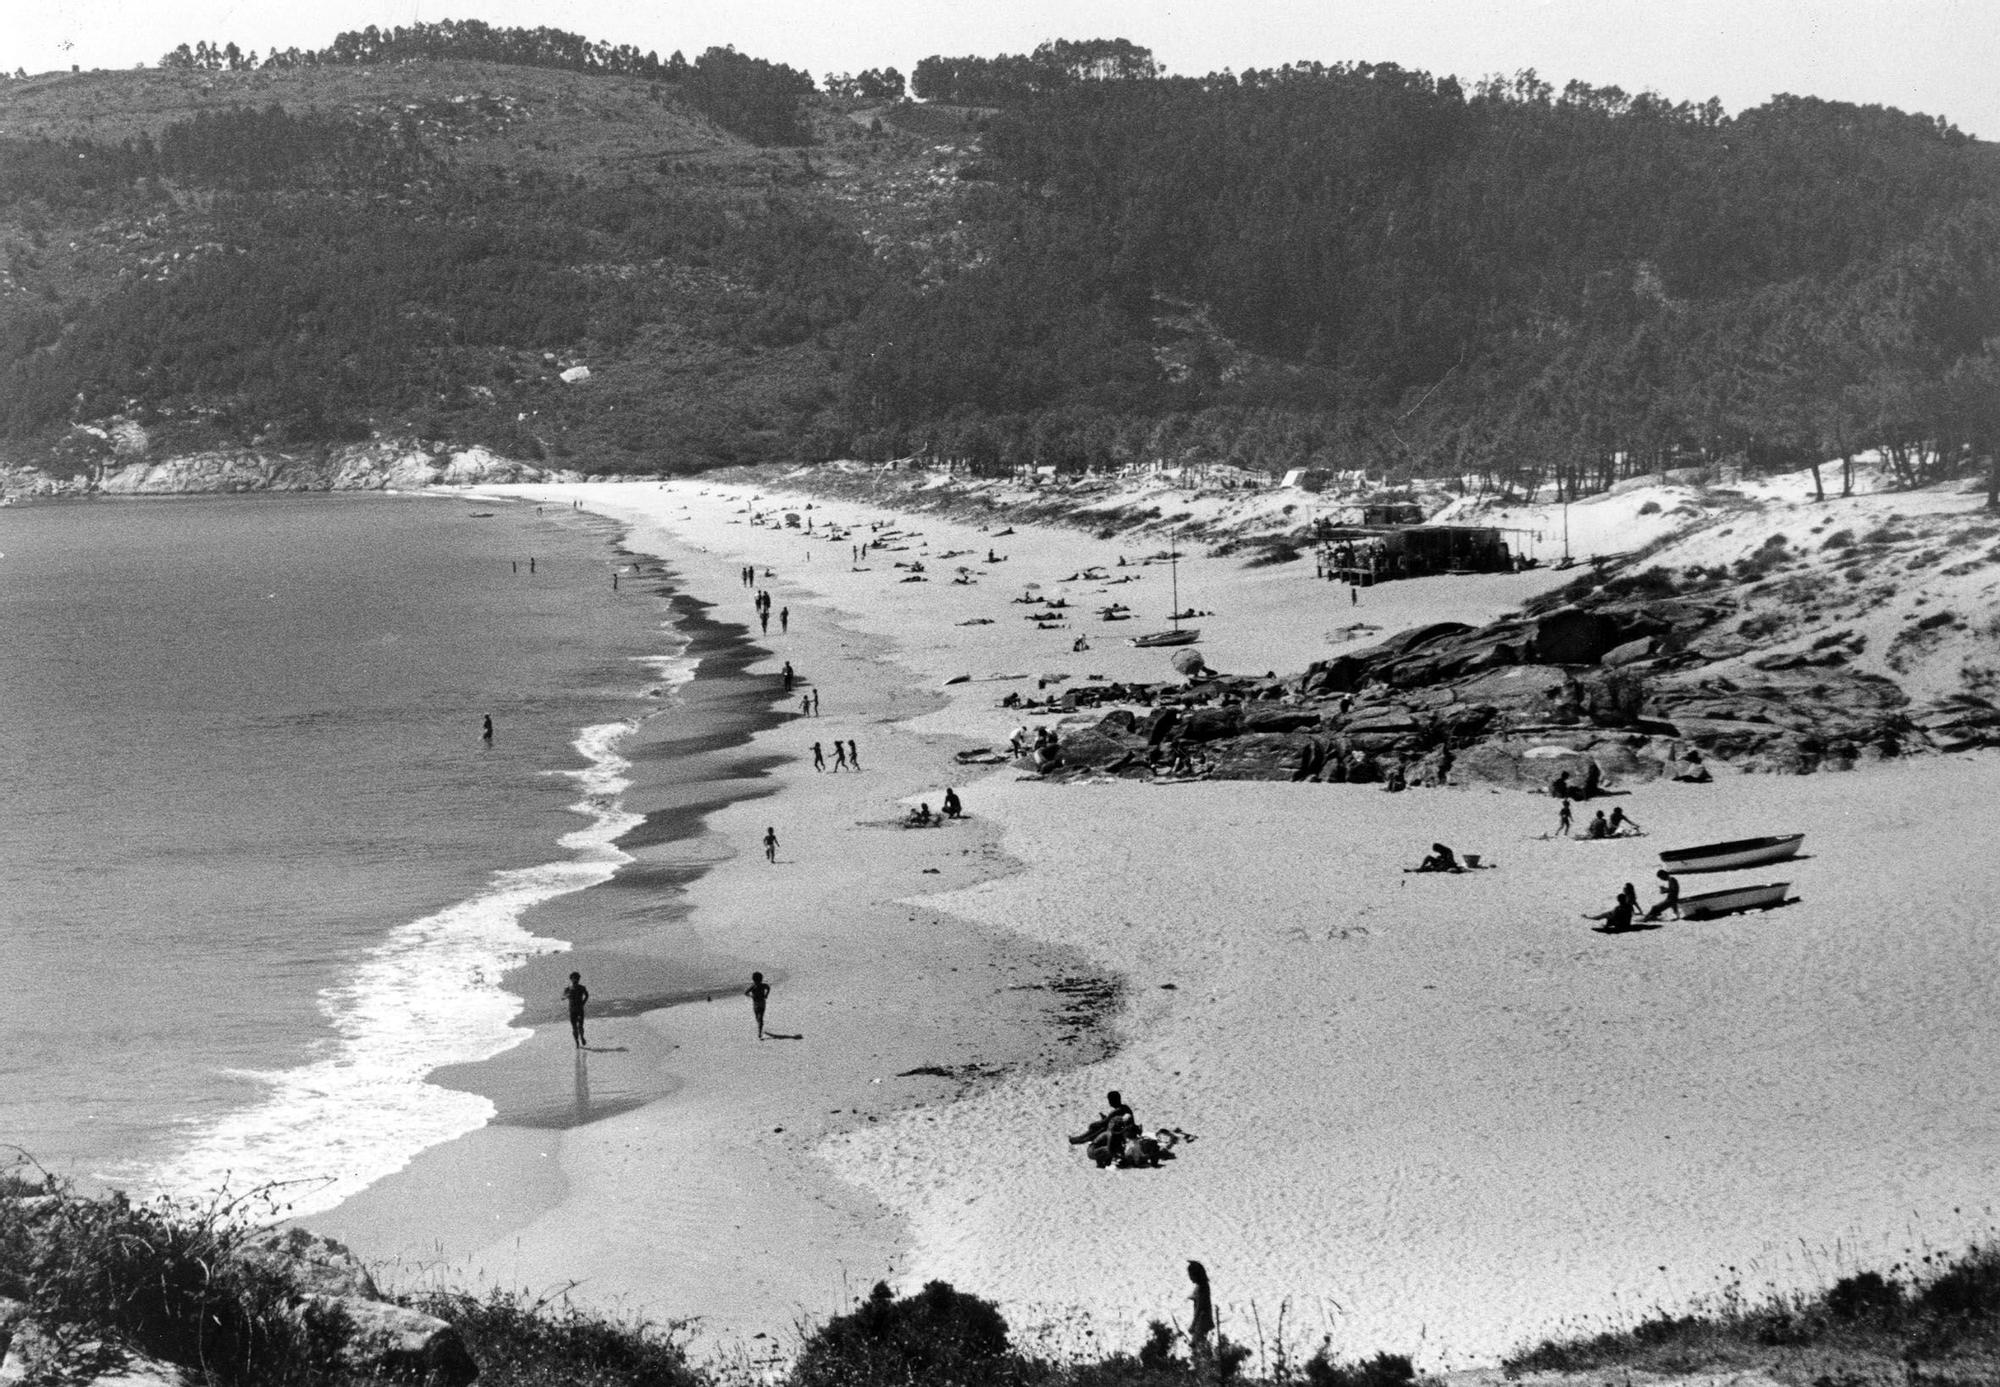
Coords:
pixel 37 1357
pixel 323 1285
pixel 388 1341
pixel 1628 684
pixel 385 465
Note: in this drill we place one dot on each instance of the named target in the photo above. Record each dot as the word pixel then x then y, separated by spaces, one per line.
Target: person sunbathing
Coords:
pixel 920 817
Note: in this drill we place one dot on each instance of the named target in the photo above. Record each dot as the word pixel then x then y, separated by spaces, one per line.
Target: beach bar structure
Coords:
pixel 1378 552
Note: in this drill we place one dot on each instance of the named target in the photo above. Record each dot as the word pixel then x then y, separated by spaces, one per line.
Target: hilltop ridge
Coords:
pixel 1352 266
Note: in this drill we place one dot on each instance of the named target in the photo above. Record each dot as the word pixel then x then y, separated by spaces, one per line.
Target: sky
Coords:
pixel 1940 57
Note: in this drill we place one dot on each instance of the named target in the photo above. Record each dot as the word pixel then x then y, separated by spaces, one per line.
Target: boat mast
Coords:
pixel 1174 573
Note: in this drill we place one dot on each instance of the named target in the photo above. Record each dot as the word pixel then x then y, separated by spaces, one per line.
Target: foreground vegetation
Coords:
pixel 1065 258
pixel 195 1285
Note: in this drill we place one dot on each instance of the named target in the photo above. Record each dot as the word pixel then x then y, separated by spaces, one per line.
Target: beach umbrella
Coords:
pixel 1188 662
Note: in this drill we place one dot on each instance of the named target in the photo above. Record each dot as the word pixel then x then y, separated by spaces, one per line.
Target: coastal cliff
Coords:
pixel 379 465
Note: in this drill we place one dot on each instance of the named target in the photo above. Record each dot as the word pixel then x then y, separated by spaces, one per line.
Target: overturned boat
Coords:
pixel 1728 857
pixel 1710 904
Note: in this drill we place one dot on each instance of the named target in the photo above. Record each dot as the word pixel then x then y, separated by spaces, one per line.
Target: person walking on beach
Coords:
pixel 576 994
pixel 853 755
pixel 1564 818
pixel 784 619
pixel 486 730
pixel 1202 1325
pixel 839 755
pixel 770 845
pixel 1670 896
pixel 758 992
pixel 815 698
pixel 764 619
pixel 819 757
pixel 789 676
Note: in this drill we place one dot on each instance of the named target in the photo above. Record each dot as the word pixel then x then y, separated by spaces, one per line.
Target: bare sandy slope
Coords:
pixel 1433 1114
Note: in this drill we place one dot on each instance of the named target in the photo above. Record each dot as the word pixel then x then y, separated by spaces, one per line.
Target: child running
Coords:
pixel 758 992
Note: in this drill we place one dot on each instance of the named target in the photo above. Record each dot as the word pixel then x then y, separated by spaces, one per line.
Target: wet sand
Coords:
pixel 1434 1115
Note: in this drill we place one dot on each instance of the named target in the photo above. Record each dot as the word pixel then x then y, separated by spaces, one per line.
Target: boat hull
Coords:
pixel 1729 857
pixel 1710 904
pixel 1186 636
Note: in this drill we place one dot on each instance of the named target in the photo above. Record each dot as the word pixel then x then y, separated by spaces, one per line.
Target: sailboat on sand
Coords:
pixel 1179 635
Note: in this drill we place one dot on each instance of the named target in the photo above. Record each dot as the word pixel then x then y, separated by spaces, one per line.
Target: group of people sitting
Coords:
pixel 921 816
pixel 1625 914
pixel 1593 781
pixel 1619 825
pixel 1115 1139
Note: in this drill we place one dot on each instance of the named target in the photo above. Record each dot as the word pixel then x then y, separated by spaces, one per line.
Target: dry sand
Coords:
pixel 1434 1115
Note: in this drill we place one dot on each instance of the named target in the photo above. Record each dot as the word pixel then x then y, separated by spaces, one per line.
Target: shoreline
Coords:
pixel 1439 1110
pixel 522 1201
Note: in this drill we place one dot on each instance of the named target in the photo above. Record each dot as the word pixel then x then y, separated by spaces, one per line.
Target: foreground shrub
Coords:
pixel 1865 1321
pixel 521 1343
pixel 939 1337
pixel 1383 1370
pixel 163 1279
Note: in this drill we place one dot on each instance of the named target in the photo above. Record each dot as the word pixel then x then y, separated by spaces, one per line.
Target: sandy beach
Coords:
pixel 1430 1114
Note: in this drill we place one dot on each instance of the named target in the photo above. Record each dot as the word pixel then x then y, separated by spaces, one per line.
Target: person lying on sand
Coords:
pixel 1143 1150
pixel 1107 1148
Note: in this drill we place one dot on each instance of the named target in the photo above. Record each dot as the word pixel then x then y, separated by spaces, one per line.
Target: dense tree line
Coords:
pixel 1404 273
pixel 747 96
pixel 316 305
pixel 874 84
pixel 1013 79
pixel 1341 267
pixel 750 97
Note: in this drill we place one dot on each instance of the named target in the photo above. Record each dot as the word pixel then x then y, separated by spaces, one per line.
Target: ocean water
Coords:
pixel 258 872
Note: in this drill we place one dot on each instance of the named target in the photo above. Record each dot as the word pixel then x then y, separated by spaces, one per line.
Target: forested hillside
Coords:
pixel 1063 257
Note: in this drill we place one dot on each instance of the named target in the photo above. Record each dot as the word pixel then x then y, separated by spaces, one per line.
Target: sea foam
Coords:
pixel 429 995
